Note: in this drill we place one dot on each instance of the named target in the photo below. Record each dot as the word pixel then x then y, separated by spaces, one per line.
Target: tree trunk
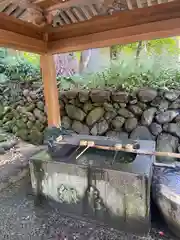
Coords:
pixel 138 51
pixel 84 60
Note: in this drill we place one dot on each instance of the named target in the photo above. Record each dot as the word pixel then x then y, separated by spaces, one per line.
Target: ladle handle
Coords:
pixel 130 149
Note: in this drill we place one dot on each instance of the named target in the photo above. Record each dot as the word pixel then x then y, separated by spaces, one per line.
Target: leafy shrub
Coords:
pixel 20 69
pixel 127 74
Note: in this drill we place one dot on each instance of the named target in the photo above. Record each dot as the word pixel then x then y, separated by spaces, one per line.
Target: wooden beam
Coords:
pixel 148 31
pixel 21 42
pixel 120 20
pixel 50 5
pixel 50 90
pixel 15 33
pixel 12 24
pixel 44 4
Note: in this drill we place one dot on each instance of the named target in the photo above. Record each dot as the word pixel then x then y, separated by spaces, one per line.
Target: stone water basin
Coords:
pixel 166 195
pixel 108 187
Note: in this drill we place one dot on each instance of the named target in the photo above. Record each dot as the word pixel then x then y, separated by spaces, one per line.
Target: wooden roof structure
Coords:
pixel 68 25
pixel 47 27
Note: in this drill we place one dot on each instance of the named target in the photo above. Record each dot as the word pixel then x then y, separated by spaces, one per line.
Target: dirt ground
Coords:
pixel 20 219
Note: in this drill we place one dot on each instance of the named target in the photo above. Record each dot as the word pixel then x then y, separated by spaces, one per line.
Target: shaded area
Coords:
pixel 19 219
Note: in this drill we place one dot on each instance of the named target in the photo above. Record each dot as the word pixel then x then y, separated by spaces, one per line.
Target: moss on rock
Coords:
pixel 35 136
pixel 23 134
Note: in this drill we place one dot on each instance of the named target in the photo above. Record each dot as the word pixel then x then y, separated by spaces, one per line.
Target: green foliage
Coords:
pixel 19 69
pixel 3 53
pixel 160 45
pixel 32 58
pixel 128 48
pixel 157 71
pixel 20 66
pixel 157 46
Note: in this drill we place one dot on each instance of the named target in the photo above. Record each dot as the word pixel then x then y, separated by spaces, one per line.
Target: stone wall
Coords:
pixel 146 114
pixel 22 111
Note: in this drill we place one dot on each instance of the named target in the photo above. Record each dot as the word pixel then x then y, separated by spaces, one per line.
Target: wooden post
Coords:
pixel 50 90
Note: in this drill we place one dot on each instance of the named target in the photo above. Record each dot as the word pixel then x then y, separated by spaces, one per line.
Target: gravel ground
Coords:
pixel 21 220
pixel 14 161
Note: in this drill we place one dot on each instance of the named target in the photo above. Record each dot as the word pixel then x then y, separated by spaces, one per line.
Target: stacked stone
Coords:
pixel 23 114
pixel 147 114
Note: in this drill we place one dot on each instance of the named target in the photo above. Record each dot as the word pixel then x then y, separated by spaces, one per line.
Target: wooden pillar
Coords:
pixel 50 90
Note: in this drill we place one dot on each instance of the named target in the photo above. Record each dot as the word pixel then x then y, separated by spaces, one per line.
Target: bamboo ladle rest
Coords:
pixel 130 148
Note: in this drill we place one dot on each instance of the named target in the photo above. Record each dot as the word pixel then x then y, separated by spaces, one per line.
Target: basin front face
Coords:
pixel 115 194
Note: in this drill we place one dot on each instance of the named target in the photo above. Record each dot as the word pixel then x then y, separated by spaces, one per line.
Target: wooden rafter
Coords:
pixel 18 26
pixel 147 31
pixel 55 4
pixel 21 35
pixel 118 20
pixel 122 27
pixel 21 42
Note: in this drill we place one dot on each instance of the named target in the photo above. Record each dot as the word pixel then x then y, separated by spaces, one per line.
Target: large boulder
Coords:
pixel 155 128
pixel 172 128
pixel 147 116
pixel 40 105
pixel 100 96
pixel 26 92
pixel 125 113
pixel 118 122
pixel 147 95
pixel 80 128
pixel 117 135
pixel 141 133
pixel 142 105
pixel 35 136
pixel 110 115
pixel 135 109
pixel 87 107
pixel 175 104
pixel 130 124
pixel 166 143
pixel 121 97
pixel 108 107
pixel 20 124
pixel 23 134
pixel 166 117
pixel 95 115
pixel 7 126
pixel 70 94
pixel 39 125
pixel 39 114
pixel 74 112
pixel 30 107
pixel 171 95
pixel 29 124
pixel 66 122
pixel 30 116
pixel 160 104
pixel 83 96
pixel 100 128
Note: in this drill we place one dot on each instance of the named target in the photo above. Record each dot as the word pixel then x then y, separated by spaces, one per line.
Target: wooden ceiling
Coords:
pixel 53 26
pixel 63 12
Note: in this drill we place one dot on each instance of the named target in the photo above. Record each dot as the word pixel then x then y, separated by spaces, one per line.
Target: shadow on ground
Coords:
pixel 21 220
